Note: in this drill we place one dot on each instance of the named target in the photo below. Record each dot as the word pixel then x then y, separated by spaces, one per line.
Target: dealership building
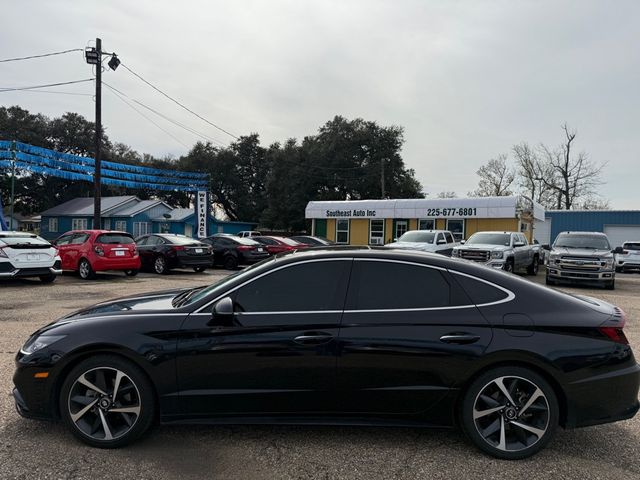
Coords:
pixel 377 222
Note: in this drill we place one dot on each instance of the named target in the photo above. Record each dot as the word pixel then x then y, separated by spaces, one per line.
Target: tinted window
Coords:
pixel 306 287
pixel 114 238
pixel 152 240
pixel 631 246
pixel 478 291
pixel 64 240
pixel 142 241
pixel 449 237
pixel 390 285
pixel 79 238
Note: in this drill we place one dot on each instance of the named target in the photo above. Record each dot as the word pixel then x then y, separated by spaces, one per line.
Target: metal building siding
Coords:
pixel 591 221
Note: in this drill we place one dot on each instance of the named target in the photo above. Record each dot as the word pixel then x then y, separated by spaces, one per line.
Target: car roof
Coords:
pixel 600 234
pixel 497 232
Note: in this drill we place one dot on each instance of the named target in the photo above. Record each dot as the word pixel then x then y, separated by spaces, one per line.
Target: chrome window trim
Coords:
pixel 391 260
pixel 510 294
pixel 312 260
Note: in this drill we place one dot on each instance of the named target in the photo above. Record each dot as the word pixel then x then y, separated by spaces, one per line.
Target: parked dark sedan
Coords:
pixel 312 241
pixel 341 335
pixel 233 251
pixel 161 252
pixel 276 245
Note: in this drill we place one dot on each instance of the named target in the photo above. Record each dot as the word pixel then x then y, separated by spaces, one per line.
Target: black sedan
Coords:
pixel 312 241
pixel 161 252
pixel 338 336
pixel 231 251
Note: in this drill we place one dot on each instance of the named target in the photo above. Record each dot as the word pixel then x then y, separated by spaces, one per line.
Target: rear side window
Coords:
pixel 312 286
pixel 114 238
pixel 480 292
pixel 391 285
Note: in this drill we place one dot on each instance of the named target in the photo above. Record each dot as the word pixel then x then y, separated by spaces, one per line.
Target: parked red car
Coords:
pixel 91 251
pixel 279 244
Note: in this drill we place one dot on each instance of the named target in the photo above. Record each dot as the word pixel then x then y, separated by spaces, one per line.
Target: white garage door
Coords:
pixel 542 231
pixel 618 234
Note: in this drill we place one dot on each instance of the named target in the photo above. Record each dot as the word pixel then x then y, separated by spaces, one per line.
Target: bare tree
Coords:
pixel 593 203
pixel 530 172
pixel 447 195
pixel 496 178
pixel 573 176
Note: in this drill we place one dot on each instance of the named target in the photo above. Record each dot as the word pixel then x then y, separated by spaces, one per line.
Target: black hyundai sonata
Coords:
pixel 338 336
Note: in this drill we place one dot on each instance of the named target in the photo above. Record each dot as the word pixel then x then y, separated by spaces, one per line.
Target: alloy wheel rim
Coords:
pixel 84 269
pixel 511 413
pixel 104 403
pixel 159 265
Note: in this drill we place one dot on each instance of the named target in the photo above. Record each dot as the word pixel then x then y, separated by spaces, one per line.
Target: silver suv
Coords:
pixel 582 257
pixel 507 251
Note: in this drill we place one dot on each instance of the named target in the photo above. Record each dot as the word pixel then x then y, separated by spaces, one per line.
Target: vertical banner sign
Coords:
pixel 202 214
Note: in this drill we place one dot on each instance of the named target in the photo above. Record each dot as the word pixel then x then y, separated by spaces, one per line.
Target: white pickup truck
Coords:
pixel 509 251
pixel 434 241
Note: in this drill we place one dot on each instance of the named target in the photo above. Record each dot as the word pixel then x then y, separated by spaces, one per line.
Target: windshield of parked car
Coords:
pixel 417 236
pixel 631 246
pixel 503 239
pixel 596 242
pixel 26 239
pixel 115 238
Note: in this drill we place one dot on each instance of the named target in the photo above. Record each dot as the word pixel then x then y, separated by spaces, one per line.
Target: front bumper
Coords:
pixel 580 275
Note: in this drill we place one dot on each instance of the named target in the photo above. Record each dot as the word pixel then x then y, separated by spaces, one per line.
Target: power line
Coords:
pixel 59 93
pixel 180 104
pixel 144 116
pixel 181 125
pixel 11 89
pixel 40 56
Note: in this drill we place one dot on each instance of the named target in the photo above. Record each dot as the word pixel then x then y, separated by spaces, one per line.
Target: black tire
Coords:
pixel 548 280
pixel 160 265
pixel 131 273
pixel 85 270
pixel 610 285
pixel 199 269
pixel 533 268
pixel 508 265
pixel 516 442
pixel 48 278
pixel 230 262
pixel 89 427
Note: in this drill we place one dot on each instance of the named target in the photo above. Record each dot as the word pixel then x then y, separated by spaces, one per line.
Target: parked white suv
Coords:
pixel 629 259
pixel 435 241
pixel 24 254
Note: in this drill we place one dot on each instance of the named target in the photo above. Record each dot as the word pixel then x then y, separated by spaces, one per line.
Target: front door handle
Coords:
pixel 312 338
pixel 459 338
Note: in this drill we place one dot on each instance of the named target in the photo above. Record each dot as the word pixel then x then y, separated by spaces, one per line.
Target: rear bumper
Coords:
pixel 102 264
pixel 32 272
pixel 628 264
pixel 604 398
pixel 189 261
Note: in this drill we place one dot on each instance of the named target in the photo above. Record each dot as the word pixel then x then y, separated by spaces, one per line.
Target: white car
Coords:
pixel 249 233
pixel 435 241
pixel 24 254
pixel 629 259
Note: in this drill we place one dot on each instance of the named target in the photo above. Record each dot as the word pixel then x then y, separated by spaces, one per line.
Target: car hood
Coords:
pixel 412 245
pixel 483 246
pixel 582 252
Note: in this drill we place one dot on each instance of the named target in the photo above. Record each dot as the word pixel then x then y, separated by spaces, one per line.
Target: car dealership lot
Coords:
pixel 31 449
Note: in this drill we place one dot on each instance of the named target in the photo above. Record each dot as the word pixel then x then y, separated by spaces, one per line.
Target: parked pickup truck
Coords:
pixel 582 257
pixel 509 251
pixel 434 241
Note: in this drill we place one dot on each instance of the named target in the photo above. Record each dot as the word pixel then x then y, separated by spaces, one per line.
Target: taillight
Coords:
pixel 134 250
pixel 178 247
pixel 613 329
pixel 98 249
pixel 244 248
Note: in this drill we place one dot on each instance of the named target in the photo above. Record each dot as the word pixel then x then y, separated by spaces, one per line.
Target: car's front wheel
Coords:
pixel 107 402
pixel 510 412
pixel 533 268
pixel 199 269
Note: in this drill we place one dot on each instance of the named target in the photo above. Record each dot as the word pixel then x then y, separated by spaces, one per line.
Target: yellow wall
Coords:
pixel 359 231
pixel 331 229
pixel 413 224
pixel 441 224
pixel 388 230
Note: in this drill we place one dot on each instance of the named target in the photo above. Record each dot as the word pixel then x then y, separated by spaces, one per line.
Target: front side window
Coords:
pixel 311 286
pixel 342 230
pixel 64 240
pixel 426 224
pixel 376 232
pixel 449 237
pixel 79 224
pixel 53 224
pixel 378 285
pixel 79 239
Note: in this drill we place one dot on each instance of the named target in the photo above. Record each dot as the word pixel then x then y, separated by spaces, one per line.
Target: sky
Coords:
pixel 466 80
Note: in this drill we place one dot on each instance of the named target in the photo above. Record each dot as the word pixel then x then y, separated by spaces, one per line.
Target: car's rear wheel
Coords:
pixel 107 402
pixel 533 268
pixel 199 269
pixel 84 270
pixel 48 278
pixel 230 262
pixel 131 273
pixel 160 265
pixel 510 412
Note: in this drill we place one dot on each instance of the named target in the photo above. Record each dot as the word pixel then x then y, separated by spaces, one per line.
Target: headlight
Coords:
pixel 39 342
pixel 498 254
pixel 608 263
pixel 553 257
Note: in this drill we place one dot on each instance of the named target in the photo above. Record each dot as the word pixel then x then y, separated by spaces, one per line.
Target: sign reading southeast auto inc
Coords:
pixel 202 215
pixel 484 207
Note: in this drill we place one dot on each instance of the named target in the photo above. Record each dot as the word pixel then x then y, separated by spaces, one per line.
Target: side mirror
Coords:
pixel 441 242
pixel 518 244
pixel 546 246
pixel 222 313
pixel 618 250
pixel 395 239
pixel 462 242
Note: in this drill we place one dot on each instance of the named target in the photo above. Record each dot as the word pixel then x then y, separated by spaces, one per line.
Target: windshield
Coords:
pixel 596 242
pixel 490 239
pixel 417 236
pixel 26 239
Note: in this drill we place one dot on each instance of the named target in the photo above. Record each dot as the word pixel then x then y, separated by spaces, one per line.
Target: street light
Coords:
pixel 114 62
pixel 91 55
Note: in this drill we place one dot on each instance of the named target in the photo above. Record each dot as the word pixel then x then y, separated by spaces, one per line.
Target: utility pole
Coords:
pixel 98 140
pixel 13 183
pixel 382 192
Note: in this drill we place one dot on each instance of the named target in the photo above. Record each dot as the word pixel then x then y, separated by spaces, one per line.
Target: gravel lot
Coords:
pixel 32 449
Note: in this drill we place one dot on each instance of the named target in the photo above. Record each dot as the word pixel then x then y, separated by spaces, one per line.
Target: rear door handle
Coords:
pixel 460 338
pixel 313 338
